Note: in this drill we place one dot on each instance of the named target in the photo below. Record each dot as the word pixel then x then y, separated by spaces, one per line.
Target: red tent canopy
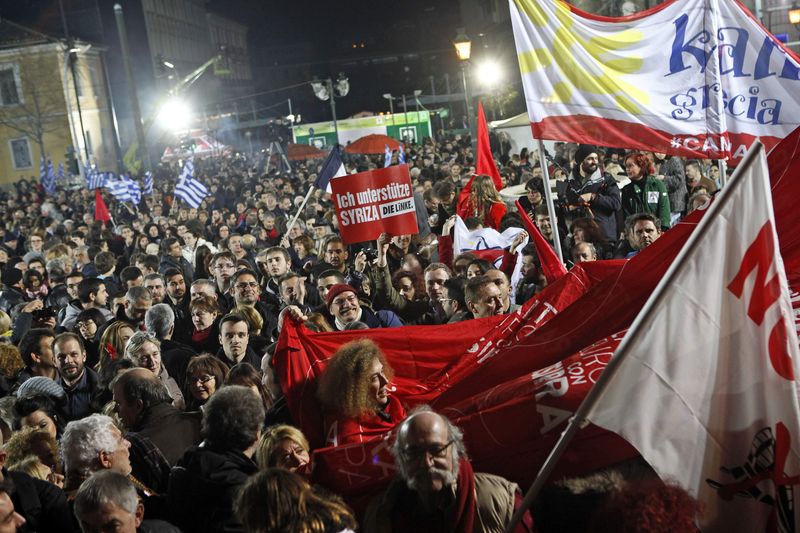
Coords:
pixel 301 152
pixel 372 144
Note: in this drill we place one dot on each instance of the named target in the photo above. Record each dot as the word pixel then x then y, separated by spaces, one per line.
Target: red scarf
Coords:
pixel 458 517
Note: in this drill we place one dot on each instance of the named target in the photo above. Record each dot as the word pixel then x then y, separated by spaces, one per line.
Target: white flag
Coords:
pixel 706 391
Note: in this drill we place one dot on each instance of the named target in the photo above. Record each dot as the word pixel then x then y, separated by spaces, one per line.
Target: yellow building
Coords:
pixel 39 109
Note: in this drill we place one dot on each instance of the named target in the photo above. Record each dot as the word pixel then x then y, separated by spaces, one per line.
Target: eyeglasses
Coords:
pixel 436 451
pixel 202 379
pixel 350 299
pixel 243 285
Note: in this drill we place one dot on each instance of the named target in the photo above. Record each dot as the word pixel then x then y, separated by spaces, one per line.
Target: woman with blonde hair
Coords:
pixel 481 199
pixel 354 390
pixel 283 446
pixel 280 501
pixel 113 341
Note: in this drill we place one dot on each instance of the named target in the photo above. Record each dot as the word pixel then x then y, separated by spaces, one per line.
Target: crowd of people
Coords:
pixel 136 373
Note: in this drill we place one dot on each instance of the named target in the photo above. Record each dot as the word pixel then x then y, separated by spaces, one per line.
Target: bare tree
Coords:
pixel 33 101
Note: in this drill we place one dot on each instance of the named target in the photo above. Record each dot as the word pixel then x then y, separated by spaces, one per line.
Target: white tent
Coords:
pixel 518 129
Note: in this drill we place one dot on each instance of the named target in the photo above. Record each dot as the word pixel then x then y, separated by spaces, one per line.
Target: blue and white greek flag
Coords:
pixel 134 191
pixel 188 189
pixel 95 179
pixel 387 157
pixel 42 173
pixel 401 156
pixel 50 179
pixel 148 183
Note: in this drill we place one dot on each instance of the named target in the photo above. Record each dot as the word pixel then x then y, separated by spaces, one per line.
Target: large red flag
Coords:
pixel 552 267
pixel 485 163
pixel 100 209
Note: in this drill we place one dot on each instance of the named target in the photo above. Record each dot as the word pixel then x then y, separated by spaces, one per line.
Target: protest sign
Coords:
pixel 370 203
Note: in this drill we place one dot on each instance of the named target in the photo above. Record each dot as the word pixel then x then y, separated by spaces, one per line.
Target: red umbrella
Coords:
pixel 301 152
pixel 372 144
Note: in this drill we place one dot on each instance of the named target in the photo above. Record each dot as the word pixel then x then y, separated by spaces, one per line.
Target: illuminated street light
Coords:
pixel 175 115
pixel 489 72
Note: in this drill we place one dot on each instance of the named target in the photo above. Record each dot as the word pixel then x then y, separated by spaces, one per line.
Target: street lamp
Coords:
pixel 327 89
pixel 463 47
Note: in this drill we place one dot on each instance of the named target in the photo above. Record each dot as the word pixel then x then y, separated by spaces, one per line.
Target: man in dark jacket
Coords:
pixel 79 382
pixel 207 479
pixel 145 407
pixel 589 192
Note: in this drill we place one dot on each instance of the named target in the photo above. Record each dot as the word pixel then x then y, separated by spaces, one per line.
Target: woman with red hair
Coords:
pixel 645 193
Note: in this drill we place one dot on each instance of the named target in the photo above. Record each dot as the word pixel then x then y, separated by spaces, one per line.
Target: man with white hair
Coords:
pixel 91 444
pixel 436 485
pixel 108 501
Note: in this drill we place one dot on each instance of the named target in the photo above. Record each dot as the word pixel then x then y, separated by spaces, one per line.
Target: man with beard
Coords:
pixel 80 383
pixel 589 192
pixel 436 488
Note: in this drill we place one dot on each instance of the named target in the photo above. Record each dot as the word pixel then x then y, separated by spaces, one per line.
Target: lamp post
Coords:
pixel 463 46
pixel 327 89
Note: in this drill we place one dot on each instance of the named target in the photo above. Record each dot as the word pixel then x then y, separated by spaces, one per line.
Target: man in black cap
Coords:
pixel 590 192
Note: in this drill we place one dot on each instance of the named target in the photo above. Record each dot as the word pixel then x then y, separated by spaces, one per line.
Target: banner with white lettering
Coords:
pixel 697 78
pixel 370 203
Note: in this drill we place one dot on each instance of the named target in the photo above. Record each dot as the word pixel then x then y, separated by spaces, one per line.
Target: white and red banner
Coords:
pixel 697 78
pixel 370 203
pixel 707 391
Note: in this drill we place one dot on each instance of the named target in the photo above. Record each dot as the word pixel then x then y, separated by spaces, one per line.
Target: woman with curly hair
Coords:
pixel 409 285
pixel 113 341
pixel 279 501
pixel 354 391
pixel 205 374
pixel 283 446
pixel 481 199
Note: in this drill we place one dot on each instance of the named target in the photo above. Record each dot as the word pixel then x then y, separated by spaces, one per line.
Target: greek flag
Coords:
pixel 134 191
pixel 148 183
pixel 50 179
pixel 43 174
pixel 118 189
pixel 387 157
pixel 95 179
pixel 188 189
pixel 401 156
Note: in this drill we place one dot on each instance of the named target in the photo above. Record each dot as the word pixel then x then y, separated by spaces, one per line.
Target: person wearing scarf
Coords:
pixel 436 489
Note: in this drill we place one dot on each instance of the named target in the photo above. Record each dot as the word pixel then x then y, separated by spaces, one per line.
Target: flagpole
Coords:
pixel 299 210
pixel 580 418
pixel 548 196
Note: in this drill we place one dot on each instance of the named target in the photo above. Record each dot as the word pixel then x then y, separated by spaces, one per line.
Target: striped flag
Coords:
pixel 119 189
pixel 148 183
pixel 43 173
pixel 188 189
pixel 134 190
pixel 50 179
pixel 96 179
pixel 387 157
